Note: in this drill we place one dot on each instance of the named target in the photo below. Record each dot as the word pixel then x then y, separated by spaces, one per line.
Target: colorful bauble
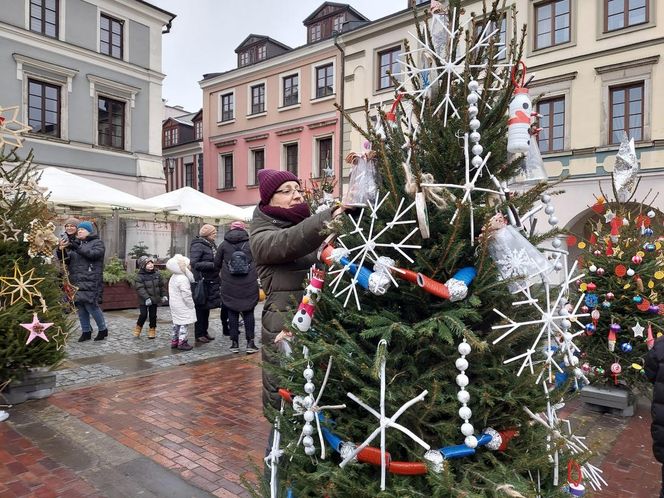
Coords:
pixel 637 259
pixel 600 272
pixel 637 299
pixel 648 232
pixel 615 327
pixel 606 304
pixel 585 309
pixel 620 270
pixel 591 287
pixel 610 296
pixel 590 329
pixel 649 247
pixel 626 347
pixel 653 308
pixel 591 301
pixel 597 252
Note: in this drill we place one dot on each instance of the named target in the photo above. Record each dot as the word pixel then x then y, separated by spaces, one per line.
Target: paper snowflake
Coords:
pixel 516 263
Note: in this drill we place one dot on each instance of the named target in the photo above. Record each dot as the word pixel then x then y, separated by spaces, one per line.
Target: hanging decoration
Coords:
pixel 36 329
pixel 305 312
pixel 22 286
pixel 11 128
pixel 626 169
pixel 41 239
pixel 520 113
pixel 362 188
pixel 8 231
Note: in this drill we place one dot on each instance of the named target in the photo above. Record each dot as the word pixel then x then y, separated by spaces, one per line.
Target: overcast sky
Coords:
pixel 205 34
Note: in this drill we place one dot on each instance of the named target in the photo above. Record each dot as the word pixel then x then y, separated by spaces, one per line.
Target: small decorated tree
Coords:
pixel 623 258
pixel 33 320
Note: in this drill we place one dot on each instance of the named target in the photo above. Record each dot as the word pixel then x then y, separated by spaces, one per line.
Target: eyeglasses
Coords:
pixel 290 191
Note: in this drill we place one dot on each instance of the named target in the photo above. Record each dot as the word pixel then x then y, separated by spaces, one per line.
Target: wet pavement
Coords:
pixel 131 417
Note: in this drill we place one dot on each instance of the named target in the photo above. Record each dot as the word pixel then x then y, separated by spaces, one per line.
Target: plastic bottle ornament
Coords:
pixel 520 112
pixel 575 485
pixel 600 272
pixel 576 489
pixel 590 329
pixel 615 327
pixel 636 259
pixel 626 347
pixel 613 332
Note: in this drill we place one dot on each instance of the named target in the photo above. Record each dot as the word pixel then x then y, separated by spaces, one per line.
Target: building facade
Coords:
pixel 598 72
pixel 182 152
pixel 86 75
pixel 276 110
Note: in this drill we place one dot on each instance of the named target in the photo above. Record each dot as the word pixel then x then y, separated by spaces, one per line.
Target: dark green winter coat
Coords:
pixel 283 254
pixel 149 285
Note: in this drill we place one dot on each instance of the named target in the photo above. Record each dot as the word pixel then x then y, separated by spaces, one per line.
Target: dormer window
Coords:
pixel 198 130
pixel 244 58
pixel 170 136
pixel 338 22
pixel 261 52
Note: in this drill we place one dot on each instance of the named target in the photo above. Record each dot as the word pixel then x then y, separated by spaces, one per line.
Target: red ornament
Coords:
pixel 609 248
pixel 599 207
pixel 637 259
pixel 643 305
pixel 571 240
pixel 591 287
pixel 593 239
pixel 620 270
pixel 642 221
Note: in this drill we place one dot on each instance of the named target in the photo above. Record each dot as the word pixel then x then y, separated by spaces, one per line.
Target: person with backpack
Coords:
pixel 239 284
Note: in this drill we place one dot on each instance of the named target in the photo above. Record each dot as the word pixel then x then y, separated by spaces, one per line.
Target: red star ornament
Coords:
pixel 36 329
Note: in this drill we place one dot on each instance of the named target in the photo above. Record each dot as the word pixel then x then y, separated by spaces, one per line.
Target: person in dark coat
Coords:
pixel 654 369
pixel 84 257
pixel 201 254
pixel 239 290
pixel 285 237
pixel 151 291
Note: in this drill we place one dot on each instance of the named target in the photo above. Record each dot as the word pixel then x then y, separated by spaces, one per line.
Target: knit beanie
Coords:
pixel 72 221
pixel 237 225
pixel 269 180
pixel 86 225
pixel 206 230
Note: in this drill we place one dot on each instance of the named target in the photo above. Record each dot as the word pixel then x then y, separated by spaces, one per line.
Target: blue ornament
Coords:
pixel 606 304
pixel 649 247
pixel 626 347
pixel 637 299
pixel 590 329
pixel 591 300
pixel 648 232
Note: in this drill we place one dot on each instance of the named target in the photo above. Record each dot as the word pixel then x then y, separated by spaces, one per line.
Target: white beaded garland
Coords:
pixel 463 396
pixel 309 450
pixel 308 430
pixel 462 380
pixel 472 98
pixel 477 149
pixel 475 136
pixel 467 429
pixel 461 364
pixel 309 388
pixel 470 441
pixel 549 209
pixel 464 348
pixel 465 413
pixel 308 373
pixel 472 110
pixel 474 124
pixel 309 416
pixel 473 85
pixel 556 243
pixel 308 441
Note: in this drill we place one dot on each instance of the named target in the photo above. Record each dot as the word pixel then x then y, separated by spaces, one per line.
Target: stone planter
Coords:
pixel 37 384
pixel 615 400
pixel 118 296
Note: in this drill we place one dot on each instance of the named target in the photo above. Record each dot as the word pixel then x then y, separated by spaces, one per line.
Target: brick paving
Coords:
pixel 197 417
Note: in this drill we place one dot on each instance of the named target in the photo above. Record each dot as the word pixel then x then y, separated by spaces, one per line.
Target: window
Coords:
pixel 257 163
pixel 227 107
pixel 552 23
pixel 110 36
pixel 258 99
pixel 198 130
pixel 290 90
pixel 110 122
pixel 500 36
pixel 388 61
pixel 314 33
pixel 44 17
pixel 324 156
pixel 261 52
pixel 226 176
pixel 170 136
pixel 621 14
pixel 291 158
pixel 626 112
pixel 189 175
pixel 44 108
pixel 338 22
pixel 552 122
pixel 244 58
pixel 324 81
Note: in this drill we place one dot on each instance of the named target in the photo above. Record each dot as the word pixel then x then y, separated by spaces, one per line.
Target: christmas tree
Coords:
pixel 428 366
pixel 33 320
pixel 624 264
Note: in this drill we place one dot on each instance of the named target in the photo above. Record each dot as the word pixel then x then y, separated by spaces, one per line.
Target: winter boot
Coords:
pixel 174 343
pixel 101 335
pixel 235 347
pixel 137 330
pixel 184 345
pixel 85 336
pixel 152 333
pixel 251 347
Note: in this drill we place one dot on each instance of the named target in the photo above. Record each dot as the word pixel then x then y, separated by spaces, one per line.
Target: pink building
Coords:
pixel 276 110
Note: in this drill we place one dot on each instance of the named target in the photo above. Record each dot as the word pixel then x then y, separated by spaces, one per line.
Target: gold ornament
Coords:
pixel 21 285
pixel 60 338
pixel 7 230
pixel 42 239
pixel 11 128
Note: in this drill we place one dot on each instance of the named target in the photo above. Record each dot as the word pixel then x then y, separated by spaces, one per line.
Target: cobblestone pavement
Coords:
pixel 132 418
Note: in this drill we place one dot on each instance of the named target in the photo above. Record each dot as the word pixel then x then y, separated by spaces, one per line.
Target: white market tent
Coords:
pixel 67 189
pixel 188 202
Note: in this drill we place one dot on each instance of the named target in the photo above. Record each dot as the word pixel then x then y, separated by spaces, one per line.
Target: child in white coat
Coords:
pixel 183 311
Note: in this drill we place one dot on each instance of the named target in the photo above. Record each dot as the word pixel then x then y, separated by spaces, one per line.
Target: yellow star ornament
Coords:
pixel 20 286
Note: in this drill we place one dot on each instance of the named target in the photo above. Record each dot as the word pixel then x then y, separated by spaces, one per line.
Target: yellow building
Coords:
pixel 598 71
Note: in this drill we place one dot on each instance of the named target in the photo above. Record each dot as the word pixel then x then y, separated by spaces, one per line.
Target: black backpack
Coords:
pixel 238 264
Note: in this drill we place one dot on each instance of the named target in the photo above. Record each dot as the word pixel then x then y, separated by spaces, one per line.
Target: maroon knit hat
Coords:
pixel 270 180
